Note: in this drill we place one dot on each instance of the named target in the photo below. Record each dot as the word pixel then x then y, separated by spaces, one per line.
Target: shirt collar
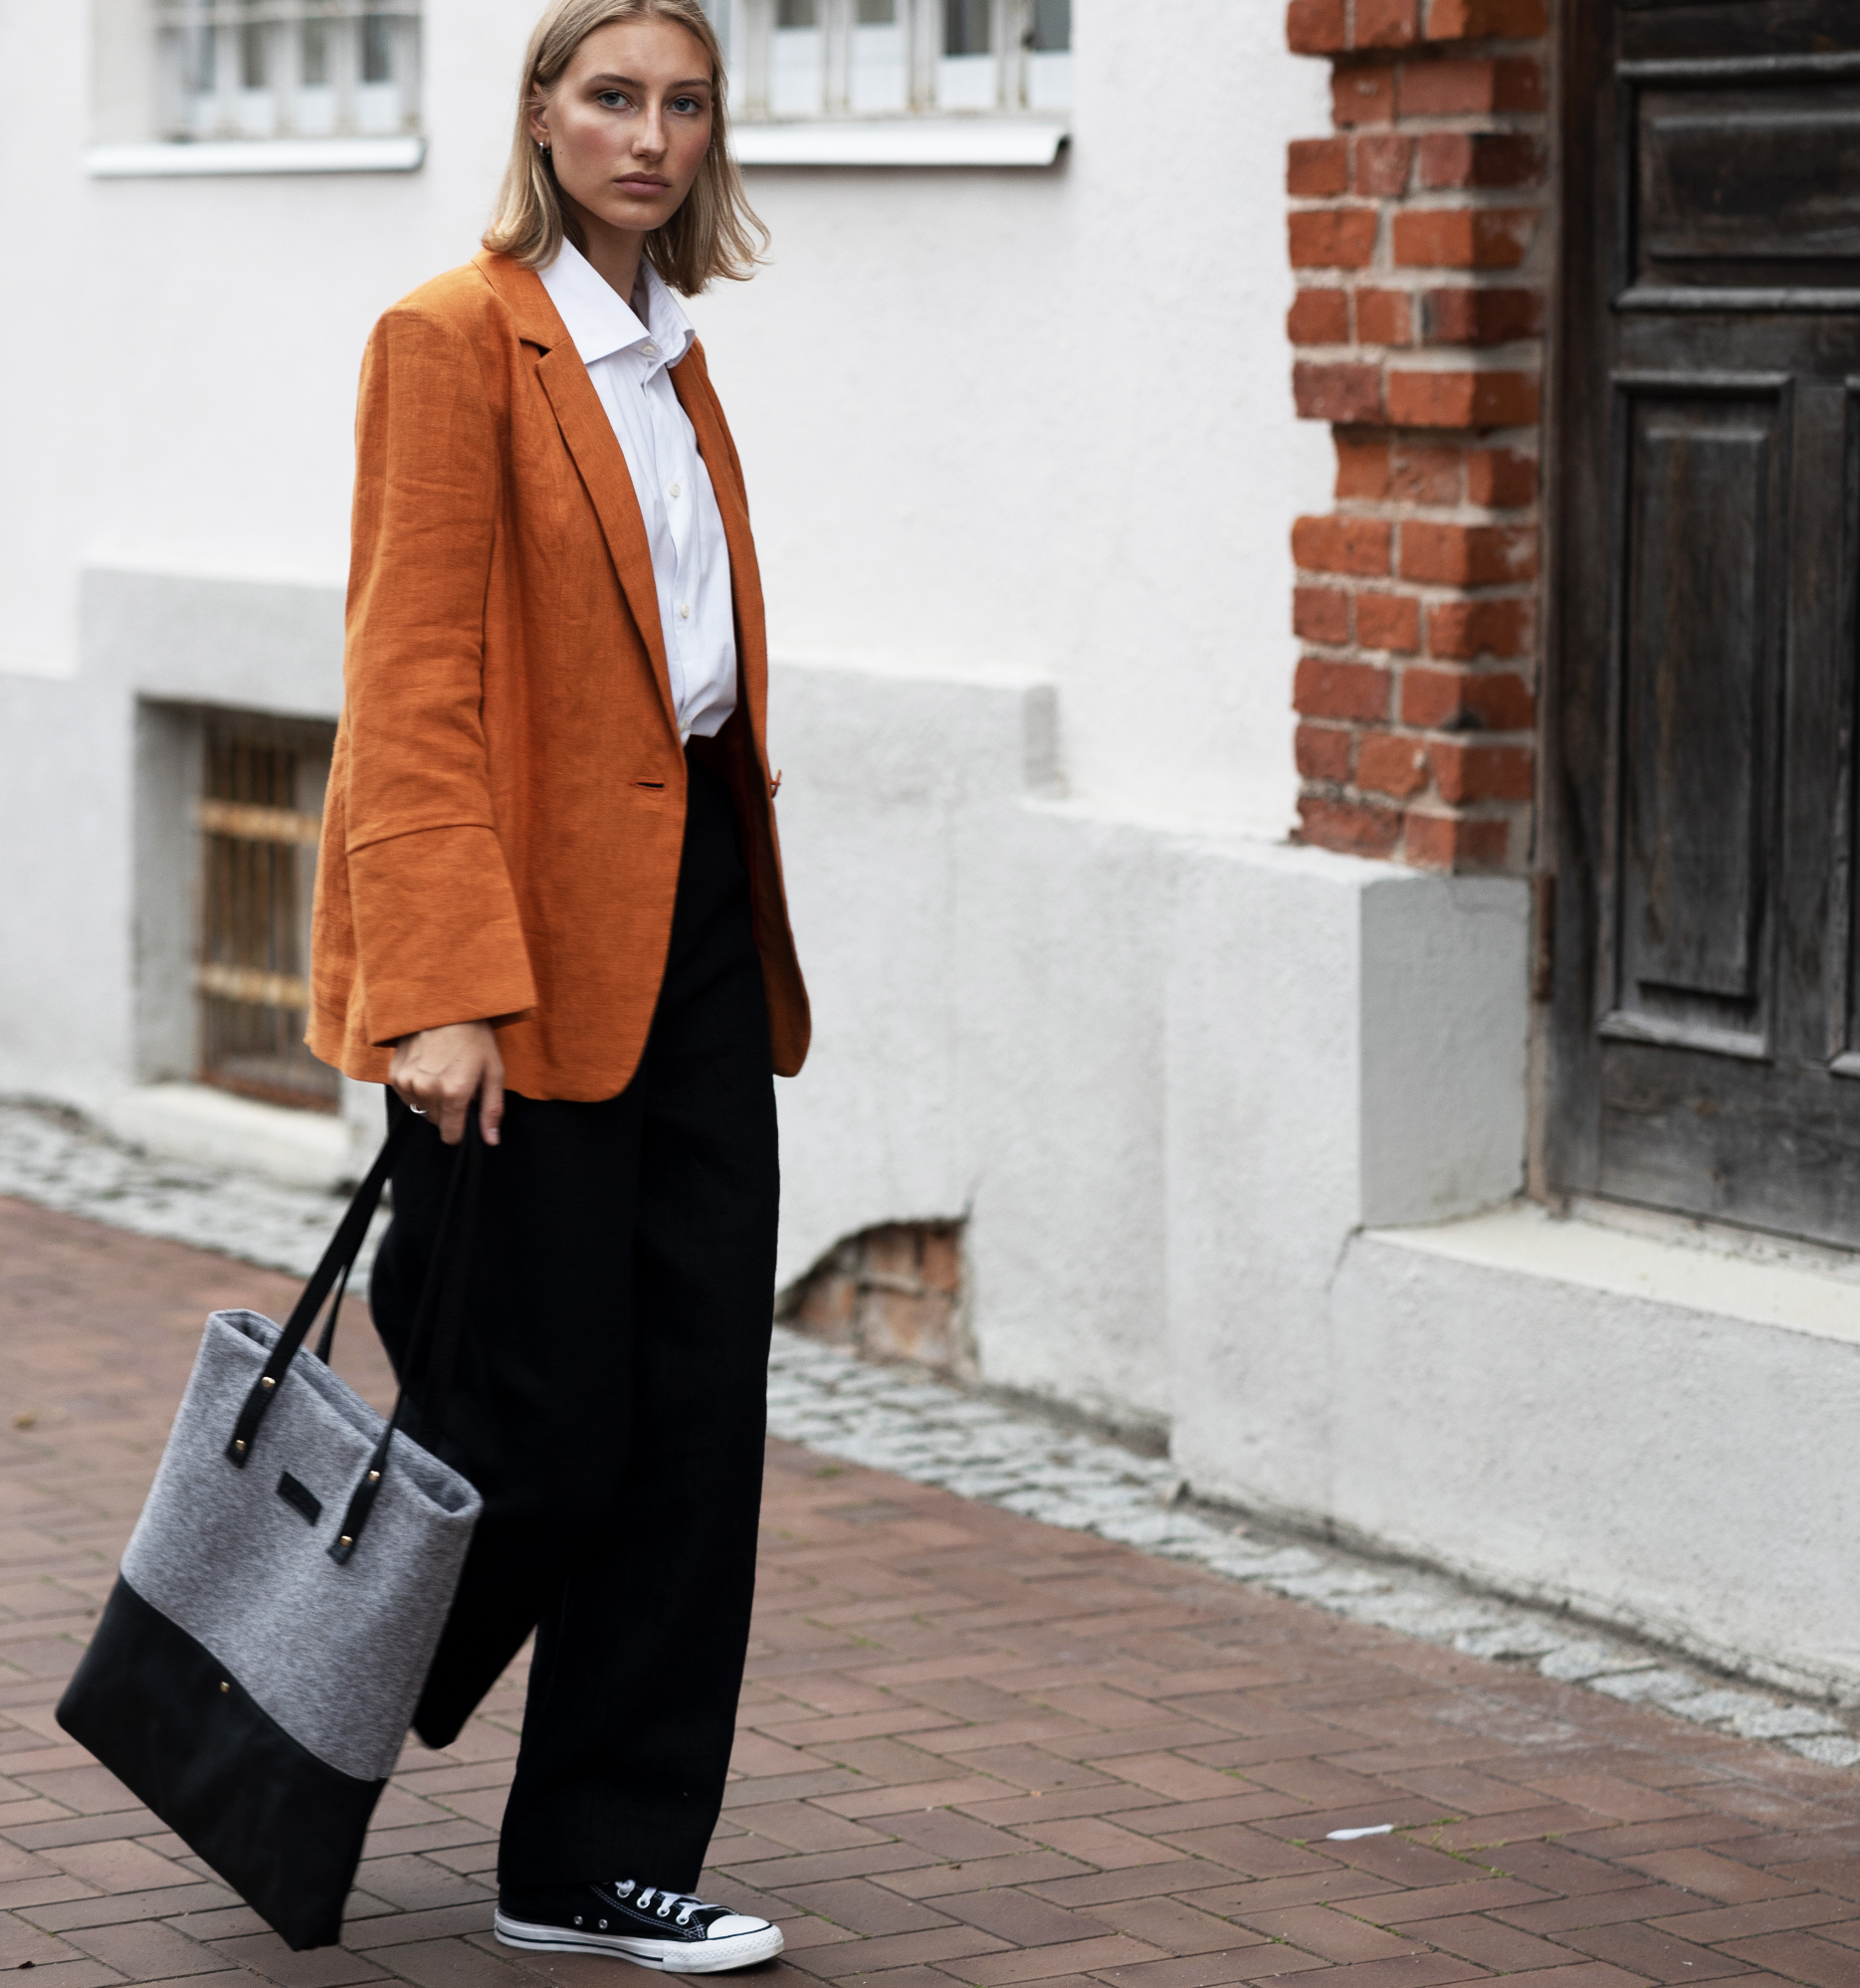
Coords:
pixel 600 321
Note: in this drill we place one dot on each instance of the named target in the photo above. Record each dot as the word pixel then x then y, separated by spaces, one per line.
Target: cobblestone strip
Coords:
pixel 54 1158
pixel 932 1433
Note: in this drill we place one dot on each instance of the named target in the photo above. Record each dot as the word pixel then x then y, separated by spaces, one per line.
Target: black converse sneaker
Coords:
pixel 640 1922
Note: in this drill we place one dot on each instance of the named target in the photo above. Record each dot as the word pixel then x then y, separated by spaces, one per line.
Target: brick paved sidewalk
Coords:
pixel 975 1750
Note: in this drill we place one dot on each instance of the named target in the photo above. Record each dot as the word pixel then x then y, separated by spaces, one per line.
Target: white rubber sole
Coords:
pixel 671 1956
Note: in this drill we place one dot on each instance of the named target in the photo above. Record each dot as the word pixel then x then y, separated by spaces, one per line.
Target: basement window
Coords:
pixel 259 816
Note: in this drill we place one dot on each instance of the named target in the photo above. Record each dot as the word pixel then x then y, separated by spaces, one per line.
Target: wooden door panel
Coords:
pixel 1699 654
pixel 1749 179
pixel 1713 1137
pixel 1720 27
pixel 1814 922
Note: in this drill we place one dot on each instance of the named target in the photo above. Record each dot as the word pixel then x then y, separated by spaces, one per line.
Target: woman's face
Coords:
pixel 629 122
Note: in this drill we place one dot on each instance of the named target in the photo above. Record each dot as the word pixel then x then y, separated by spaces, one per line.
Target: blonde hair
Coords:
pixel 715 232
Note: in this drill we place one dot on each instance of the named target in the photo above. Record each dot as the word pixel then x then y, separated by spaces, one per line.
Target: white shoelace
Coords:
pixel 686 1902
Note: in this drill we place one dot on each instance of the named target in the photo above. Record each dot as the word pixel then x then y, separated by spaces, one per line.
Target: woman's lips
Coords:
pixel 641 184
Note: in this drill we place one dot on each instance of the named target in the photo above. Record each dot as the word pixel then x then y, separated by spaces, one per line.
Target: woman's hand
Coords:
pixel 440 1070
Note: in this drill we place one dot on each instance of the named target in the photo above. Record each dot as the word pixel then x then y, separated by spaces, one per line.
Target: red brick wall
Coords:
pixel 896 1292
pixel 1420 233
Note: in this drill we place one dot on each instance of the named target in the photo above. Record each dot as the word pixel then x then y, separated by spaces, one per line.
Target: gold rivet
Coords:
pixel 374 1476
pixel 267 1381
pixel 241 1447
pixel 224 1685
pixel 346 1540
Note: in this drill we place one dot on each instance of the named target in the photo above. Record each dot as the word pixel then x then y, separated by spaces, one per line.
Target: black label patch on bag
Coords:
pixel 301 1496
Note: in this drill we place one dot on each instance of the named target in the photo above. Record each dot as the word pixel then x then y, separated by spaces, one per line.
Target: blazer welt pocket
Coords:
pixel 656 786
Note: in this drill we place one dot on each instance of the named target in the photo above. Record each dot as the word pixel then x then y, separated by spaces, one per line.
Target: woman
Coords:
pixel 550 888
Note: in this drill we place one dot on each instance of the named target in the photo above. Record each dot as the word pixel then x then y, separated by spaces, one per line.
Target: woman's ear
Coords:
pixel 538 121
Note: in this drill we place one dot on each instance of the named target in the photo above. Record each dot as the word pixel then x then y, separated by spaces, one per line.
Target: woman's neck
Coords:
pixel 614 253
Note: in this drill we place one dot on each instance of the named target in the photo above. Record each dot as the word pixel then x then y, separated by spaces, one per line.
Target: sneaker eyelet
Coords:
pixel 603 1926
pixel 577 1918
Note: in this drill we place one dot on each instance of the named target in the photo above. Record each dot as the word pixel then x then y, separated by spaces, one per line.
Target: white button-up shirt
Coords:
pixel 630 364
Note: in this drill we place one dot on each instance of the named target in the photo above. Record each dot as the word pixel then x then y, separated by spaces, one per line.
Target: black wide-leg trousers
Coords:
pixel 609 1404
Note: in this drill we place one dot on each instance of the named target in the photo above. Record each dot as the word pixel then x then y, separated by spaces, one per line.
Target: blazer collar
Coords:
pixel 521 293
pixel 594 446
pixel 600 323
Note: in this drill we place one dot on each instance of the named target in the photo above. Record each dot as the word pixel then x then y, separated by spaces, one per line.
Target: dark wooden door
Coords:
pixel 1701 805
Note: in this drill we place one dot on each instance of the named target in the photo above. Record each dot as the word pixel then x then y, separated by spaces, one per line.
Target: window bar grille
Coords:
pixel 275 69
pixel 258 854
pixel 809 59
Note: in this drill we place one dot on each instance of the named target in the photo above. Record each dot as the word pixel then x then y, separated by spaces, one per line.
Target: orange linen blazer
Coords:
pixel 506 809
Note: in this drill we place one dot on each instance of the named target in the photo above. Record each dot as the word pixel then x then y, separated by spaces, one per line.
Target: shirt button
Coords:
pixel 675 489
pixel 684 610
pixel 650 350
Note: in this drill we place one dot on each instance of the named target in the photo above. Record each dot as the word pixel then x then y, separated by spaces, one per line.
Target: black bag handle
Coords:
pixel 325 1345
pixel 432 1350
pixel 338 1259
pixel 433 1346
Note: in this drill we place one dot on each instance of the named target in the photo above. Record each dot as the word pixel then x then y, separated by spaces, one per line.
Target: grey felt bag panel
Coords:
pixel 335 1651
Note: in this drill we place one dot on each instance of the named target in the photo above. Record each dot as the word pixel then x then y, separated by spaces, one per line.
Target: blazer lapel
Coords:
pixel 690 380
pixel 596 451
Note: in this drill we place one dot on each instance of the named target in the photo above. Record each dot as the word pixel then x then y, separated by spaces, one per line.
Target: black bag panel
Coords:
pixel 283 1828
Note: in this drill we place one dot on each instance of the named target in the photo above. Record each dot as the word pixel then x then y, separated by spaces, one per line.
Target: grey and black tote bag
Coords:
pixel 257 1665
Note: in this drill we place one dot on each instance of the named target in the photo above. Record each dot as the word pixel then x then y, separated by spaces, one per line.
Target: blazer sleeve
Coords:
pixel 438 935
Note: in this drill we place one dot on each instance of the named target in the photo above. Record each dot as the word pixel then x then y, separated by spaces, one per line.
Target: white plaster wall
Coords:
pixel 1663 1463
pixel 1264 1160
pixel 1444 1043
pixel 1041 421
pixel 1347 1045
pixel 220 322
pixel 1064 1108
pixel 1162 1075
pixel 65 919
pixel 1035 421
pixel 985 968
pixel 42 500
pixel 1032 419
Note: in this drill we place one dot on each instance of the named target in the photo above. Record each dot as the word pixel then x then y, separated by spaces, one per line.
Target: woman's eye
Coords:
pixel 610 99
pixel 687 105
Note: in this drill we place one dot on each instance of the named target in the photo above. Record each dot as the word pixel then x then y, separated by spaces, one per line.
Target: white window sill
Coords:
pixel 249 155
pixel 903 141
